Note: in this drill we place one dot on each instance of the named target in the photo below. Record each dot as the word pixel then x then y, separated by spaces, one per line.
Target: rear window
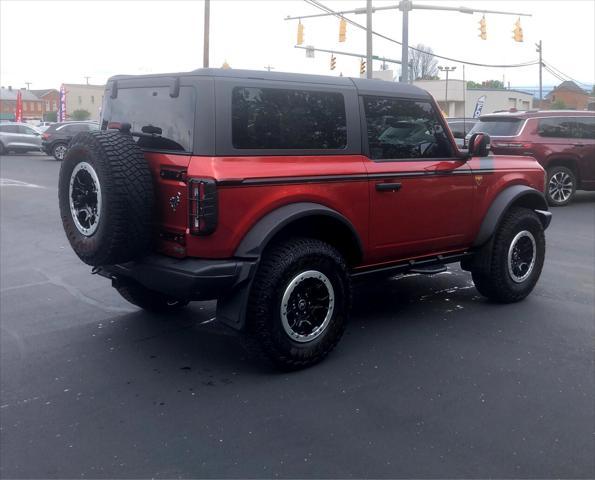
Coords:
pixel 162 122
pixel 275 118
pixel 498 127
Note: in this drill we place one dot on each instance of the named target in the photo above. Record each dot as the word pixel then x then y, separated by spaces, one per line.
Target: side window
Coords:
pixel 585 128
pixel 275 118
pixel 556 127
pixel 400 128
pixel 26 130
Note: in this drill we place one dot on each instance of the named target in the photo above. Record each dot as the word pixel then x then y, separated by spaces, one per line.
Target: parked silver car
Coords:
pixel 18 137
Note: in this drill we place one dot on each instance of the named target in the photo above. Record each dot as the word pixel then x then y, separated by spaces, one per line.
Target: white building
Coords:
pixel 462 101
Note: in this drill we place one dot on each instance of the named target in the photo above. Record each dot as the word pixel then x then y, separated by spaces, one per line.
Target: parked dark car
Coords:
pixel 56 138
pixel 460 127
pixel 562 141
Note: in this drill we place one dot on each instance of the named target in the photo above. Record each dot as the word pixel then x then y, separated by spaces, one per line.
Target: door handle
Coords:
pixel 388 187
pixel 579 145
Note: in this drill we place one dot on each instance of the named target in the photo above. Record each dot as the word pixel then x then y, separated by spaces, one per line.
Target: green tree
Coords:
pixel 558 105
pixel 486 84
pixel 80 114
pixel 50 116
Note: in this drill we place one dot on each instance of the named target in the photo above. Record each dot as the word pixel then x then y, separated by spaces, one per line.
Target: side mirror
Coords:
pixel 479 145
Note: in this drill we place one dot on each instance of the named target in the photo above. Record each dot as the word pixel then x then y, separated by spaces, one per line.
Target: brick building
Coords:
pixel 570 93
pixel 32 105
pixel 50 98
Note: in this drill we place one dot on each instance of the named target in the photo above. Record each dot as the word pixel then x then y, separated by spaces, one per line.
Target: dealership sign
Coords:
pixel 62 105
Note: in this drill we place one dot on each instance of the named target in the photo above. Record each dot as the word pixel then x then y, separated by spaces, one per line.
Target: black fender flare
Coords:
pixel 231 310
pixel 514 195
pixel 261 233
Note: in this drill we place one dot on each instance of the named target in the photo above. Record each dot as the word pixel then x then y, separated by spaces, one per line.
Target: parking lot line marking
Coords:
pixel 7 182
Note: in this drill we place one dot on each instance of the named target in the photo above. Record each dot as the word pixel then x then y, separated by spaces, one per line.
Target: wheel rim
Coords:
pixel 560 187
pixel 307 306
pixel 85 198
pixel 60 151
pixel 522 255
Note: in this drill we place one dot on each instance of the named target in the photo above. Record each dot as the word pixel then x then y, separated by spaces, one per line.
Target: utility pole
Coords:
pixel 369 38
pixel 87 79
pixel 539 50
pixel 28 84
pixel 446 69
pixel 405 6
pixel 268 68
pixel 205 53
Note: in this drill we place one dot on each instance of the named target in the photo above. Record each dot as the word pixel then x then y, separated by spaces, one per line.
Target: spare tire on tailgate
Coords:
pixel 106 198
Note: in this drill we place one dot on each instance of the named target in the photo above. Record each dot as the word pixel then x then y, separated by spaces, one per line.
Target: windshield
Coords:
pixel 498 127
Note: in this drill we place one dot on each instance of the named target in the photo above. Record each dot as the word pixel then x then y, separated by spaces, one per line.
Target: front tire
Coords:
pixel 299 302
pixel 148 299
pixel 561 186
pixel 510 264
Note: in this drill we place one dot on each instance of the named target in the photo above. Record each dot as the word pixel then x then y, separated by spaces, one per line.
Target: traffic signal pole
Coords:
pixel 369 38
pixel 405 6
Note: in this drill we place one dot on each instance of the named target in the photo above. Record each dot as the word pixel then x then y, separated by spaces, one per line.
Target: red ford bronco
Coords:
pixel 270 192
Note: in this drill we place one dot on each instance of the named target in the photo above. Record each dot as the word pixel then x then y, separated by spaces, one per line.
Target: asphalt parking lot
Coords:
pixel 431 380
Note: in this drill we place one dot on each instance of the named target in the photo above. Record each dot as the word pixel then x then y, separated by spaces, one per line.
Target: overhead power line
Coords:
pixel 320 6
pixel 560 73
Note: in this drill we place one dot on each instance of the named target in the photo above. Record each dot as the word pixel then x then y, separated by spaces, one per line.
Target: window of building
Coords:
pixel 80 100
pixel 404 129
pixel 275 118
pixel 92 98
pixel 47 105
pixel 512 102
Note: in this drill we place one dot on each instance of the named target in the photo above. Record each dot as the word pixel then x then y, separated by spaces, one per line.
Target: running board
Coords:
pixel 427 266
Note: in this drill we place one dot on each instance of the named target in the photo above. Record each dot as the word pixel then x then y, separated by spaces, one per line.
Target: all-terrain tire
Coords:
pixel 123 230
pixel 561 186
pixel 148 299
pixel 280 266
pixel 498 272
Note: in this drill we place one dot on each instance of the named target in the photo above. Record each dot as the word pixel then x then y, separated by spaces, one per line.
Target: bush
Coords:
pixel 50 117
pixel 80 114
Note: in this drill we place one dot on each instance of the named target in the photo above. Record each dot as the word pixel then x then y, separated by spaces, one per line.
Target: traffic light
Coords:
pixel 342 29
pixel 518 31
pixel 482 28
pixel 333 62
pixel 362 66
pixel 300 33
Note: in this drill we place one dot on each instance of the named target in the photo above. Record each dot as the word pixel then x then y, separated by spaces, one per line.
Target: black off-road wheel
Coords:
pixel 106 198
pixel 299 302
pixel 148 299
pixel 510 264
pixel 561 186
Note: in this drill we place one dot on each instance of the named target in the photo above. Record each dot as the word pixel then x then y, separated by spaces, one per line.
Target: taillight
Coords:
pixel 45 136
pixel 202 206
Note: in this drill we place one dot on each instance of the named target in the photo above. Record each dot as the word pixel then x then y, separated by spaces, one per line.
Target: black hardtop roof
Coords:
pixel 364 86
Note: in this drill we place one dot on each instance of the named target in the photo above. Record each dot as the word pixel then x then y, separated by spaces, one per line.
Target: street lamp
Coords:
pixel 446 69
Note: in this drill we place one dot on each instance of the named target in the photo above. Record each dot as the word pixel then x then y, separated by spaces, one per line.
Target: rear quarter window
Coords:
pixel 567 127
pixel 171 119
pixel 276 118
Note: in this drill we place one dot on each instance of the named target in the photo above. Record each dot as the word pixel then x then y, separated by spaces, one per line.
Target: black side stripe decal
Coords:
pixel 233 182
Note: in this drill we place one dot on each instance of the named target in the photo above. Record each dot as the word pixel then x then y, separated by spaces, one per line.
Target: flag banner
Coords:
pixel 19 107
pixel 62 105
pixel 479 106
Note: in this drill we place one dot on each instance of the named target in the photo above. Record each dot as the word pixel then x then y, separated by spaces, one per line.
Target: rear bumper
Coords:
pixel 189 278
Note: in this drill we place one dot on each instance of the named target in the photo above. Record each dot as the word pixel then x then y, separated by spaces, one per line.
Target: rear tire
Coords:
pixel 148 299
pixel 299 302
pixel 561 186
pixel 59 151
pixel 510 264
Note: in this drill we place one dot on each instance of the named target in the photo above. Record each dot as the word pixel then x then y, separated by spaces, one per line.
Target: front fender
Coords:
pixel 519 195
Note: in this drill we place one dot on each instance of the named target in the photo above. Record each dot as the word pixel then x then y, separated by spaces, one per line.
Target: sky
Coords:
pixel 52 42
